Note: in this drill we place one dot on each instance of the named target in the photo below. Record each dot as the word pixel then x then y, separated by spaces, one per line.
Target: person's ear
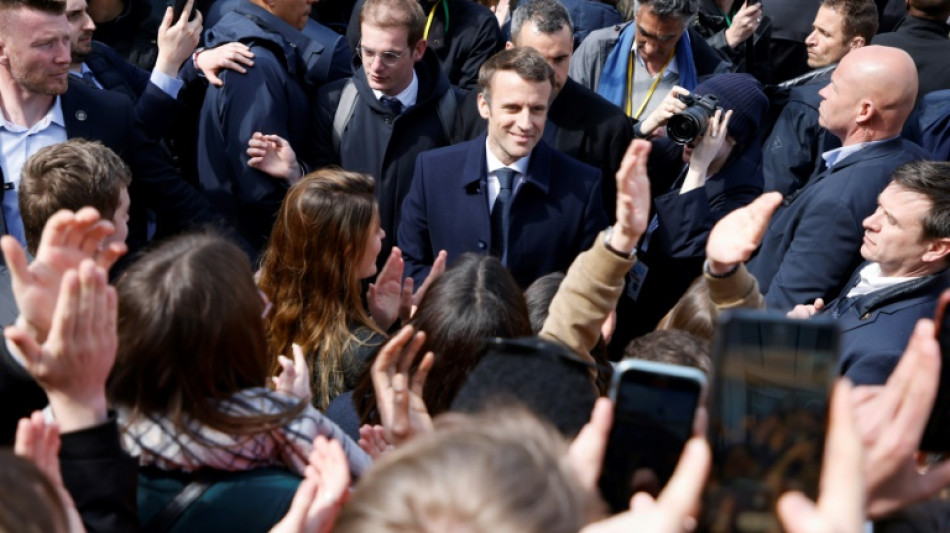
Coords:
pixel 857 42
pixel 937 250
pixel 509 45
pixel 484 109
pixel 419 50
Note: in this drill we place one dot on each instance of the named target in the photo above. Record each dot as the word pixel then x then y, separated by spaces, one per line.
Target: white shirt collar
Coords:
pixel 408 96
pixel 53 116
pixel 870 280
pixel 832 157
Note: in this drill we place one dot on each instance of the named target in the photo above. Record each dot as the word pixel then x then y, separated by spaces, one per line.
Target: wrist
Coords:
pixel 194 57
pixel 74 413
pixel 621 241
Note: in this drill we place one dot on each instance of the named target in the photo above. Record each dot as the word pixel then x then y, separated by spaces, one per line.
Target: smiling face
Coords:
pixel 827 43
pixel 35 50
pixel 516 114
pixel 81 27
pixel 893 234
pixel 377 40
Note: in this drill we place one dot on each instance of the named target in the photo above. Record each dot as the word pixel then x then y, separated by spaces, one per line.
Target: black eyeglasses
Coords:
pixel 388 58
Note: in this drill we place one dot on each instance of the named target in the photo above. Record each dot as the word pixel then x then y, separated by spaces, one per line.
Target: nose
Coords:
pixel 87 23
pixel 872 222
pixel 62 53
pixel 524 119
pixel 810 40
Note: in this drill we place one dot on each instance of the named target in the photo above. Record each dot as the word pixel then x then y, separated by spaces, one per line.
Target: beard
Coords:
pixel 37 80
pixel 79 52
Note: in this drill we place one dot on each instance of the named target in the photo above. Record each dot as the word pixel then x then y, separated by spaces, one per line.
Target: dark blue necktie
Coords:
pixel 394 105
pixel 500 213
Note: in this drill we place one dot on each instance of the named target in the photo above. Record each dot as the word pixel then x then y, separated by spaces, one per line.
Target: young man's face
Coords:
pixel 516 114
pixel 120 219
pixel 81 27
pixel 35 50
pixel 388 58
pixel 827 44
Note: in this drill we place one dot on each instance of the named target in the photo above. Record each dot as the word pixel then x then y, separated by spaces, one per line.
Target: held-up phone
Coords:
pixel 768 413
pixel 751 2
pixel 654 407
pixel 178 7
pixel 936 436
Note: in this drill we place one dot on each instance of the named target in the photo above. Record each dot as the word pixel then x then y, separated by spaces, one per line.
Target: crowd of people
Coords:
pixel 272 265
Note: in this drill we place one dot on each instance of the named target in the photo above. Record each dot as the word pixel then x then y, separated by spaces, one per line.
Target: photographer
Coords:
pixel 716 168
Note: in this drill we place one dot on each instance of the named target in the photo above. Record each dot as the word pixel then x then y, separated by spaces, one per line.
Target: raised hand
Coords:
pixel 322 492
pixel 272 154
pixel 633 197
pixel 399 394
pixel 72 365
pixel 177 41
pixel 391 296
pixel 68 238
pixel 231 56
pixel 707 151
pixel 294 377
pixel 734 238
pixel 744 24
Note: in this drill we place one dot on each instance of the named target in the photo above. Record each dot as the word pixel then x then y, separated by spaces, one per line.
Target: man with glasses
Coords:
pixel 270 97
pixel 396 105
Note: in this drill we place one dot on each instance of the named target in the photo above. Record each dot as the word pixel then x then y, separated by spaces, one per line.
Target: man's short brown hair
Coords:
pixel 69 175
pixel 52 7
pixel 524 61
pixel 395 13
pixel 858 18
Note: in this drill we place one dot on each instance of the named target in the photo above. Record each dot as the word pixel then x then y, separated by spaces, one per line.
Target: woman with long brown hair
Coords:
pixel 324 243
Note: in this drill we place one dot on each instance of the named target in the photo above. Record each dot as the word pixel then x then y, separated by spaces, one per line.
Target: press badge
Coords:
pixel 635 278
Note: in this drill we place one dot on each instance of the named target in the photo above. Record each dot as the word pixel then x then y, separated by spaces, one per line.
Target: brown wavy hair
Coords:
pixel 310 274
pixel 190 332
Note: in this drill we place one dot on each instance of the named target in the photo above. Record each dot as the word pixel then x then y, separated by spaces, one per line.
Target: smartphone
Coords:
pixel 936 436
pixel 768 413
pixel 178 7
pixel 751 2
pixel 654 408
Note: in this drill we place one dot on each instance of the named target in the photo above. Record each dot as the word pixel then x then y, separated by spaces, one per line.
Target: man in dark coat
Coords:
pixel 506 192
pixel 924 35
pixel 461 33
pixel 580 123
pixel 812 243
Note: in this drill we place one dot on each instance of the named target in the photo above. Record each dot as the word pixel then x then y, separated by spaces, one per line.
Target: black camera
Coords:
pixel 685 126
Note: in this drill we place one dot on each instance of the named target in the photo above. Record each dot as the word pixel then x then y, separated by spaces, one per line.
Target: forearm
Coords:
pixel 739 289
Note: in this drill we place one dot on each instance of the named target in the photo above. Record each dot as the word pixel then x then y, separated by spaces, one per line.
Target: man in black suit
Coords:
pixel 581 123
pixel 41 107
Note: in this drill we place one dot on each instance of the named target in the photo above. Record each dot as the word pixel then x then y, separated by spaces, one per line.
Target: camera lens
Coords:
pixel 686 126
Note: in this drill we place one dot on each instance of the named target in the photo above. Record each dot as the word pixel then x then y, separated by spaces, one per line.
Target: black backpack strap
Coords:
pixel 169 515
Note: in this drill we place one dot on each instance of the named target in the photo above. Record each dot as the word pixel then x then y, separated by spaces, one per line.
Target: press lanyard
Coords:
pixel 445 5
pixel 646 99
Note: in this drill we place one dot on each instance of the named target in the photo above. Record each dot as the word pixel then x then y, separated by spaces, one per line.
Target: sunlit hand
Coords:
pixel 177 41
pixel 294 377
pixel 272 154
pixel 322 492
pixel 391 296
pixel 373 441
pixel 744 24
pixel 670 106
pixel 398 390
pixel 633 197
pixel 67 239
pixel 734 238
pixel 707 151
pixel 231 56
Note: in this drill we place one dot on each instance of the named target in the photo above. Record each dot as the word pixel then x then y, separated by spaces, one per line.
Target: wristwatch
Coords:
pixel 625 255
pixel 724 275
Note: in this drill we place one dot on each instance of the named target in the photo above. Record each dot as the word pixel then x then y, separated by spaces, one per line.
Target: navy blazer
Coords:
pixel 813 243
pixel 556 211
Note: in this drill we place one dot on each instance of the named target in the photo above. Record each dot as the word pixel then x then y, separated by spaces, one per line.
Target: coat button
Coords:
pixel 482 245
pixel 866 316
pixel 80 115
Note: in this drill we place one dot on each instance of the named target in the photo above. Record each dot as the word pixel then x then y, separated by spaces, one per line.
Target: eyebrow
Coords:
pixel 643 33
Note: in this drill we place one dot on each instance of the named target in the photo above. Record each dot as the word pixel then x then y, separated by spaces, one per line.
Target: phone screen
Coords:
pixel 936 437
pixel 768 412
pixel 654 406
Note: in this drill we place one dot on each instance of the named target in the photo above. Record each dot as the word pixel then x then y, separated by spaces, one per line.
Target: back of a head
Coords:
pixel 930 9
pixel 539 295
pixel 69 175
pixel 888 78
pixel 473 301
pixel 694 313
pixel 311 270
pixel 671 346
pixel 502 472
pixel 190 330
pixel 672 9
pixel 859 18
pixel 394 14
pixel 547 16
pixel 543 376
pixel 28 500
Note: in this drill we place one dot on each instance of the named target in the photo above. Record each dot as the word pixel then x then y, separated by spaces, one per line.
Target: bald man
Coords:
pixel 813 242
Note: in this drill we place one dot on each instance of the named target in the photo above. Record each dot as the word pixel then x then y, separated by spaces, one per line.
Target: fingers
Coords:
pixel 842 482
pixel 421 373
pixel 185 13
pixel 384 365
pixel 166 20
pixel 213 79
pixel 819 304
pixel 15 258
pixel 107 257
pixel 681 495
pixel 399 425
pixel 798 514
